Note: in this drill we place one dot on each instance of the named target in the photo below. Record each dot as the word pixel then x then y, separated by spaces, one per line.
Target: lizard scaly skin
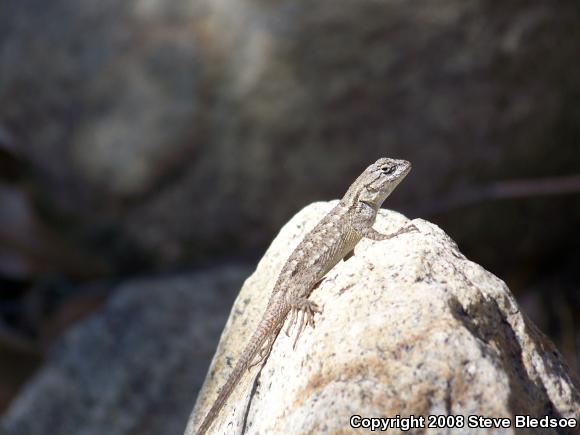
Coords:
pixel 333 238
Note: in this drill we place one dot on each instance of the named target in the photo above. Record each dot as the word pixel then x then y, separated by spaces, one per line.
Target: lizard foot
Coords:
pixel 411 228
pixel 307 309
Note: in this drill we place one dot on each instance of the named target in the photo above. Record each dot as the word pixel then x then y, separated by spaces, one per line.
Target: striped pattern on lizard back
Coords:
pixel 311 259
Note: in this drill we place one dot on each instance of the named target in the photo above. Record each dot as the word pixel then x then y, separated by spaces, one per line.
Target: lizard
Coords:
pixel 330 241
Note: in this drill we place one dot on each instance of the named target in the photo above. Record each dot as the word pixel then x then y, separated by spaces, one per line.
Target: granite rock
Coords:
pixel 409 326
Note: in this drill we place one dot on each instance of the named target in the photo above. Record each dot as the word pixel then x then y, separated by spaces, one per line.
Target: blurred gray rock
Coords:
pixel 183 123
pixel 134 367
pixel 409 326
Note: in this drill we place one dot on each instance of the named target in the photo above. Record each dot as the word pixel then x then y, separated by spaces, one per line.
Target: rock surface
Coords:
pixel 134 367
pixel 409 326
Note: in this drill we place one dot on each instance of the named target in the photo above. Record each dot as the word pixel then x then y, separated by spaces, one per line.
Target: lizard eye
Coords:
pixel 388 170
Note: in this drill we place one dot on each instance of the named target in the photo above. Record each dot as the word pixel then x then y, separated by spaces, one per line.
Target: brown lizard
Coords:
pixel 331 240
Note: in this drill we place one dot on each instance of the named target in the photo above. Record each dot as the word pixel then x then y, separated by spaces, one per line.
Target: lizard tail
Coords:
pixel 244 361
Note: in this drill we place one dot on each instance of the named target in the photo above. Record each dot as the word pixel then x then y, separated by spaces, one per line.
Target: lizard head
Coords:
pixel 378 181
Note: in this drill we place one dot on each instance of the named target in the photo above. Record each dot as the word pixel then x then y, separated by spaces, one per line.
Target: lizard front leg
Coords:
pixel 371 233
